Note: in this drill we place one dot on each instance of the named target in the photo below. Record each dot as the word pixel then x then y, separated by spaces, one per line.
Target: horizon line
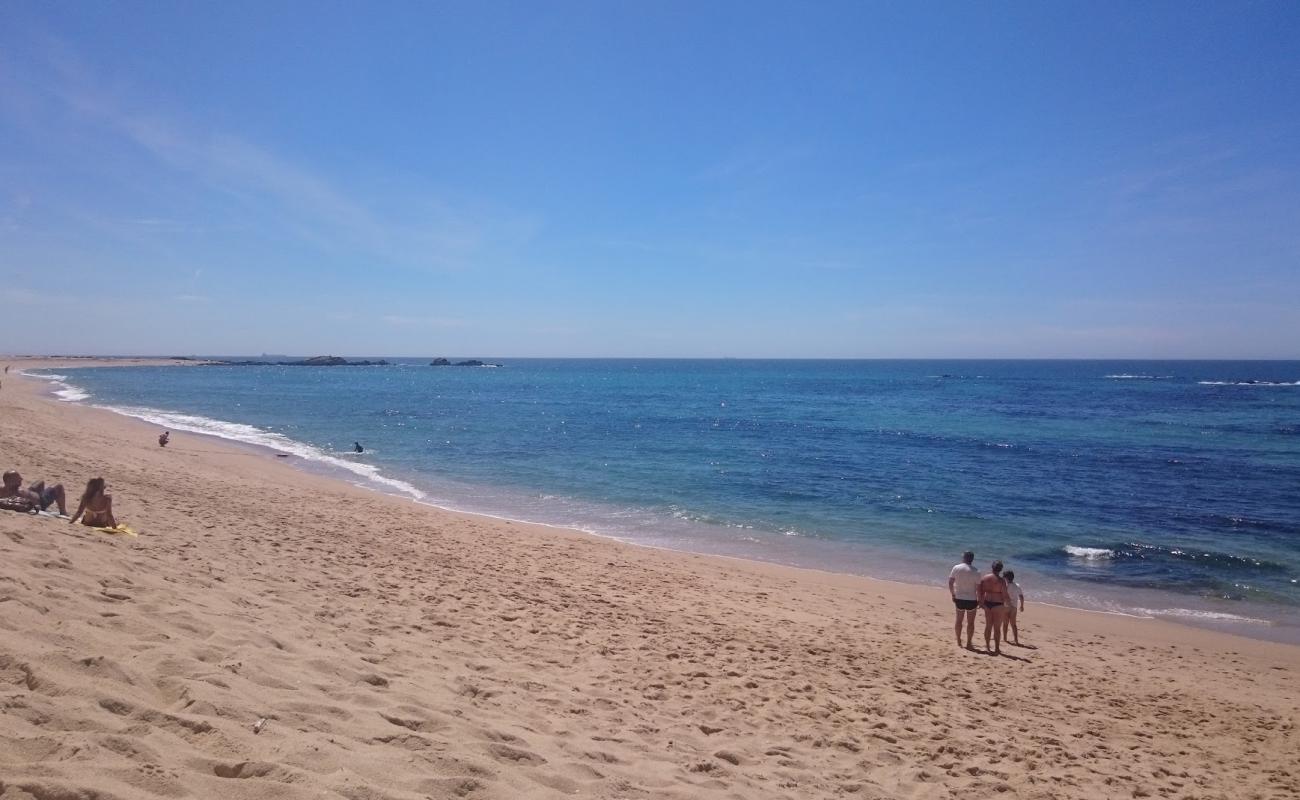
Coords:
pixel 372 357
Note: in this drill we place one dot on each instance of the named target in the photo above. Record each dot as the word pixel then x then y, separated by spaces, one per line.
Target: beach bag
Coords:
pixel 20 504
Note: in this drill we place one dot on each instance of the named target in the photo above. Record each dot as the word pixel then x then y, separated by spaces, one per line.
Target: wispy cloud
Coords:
pixel 21 296
pixel 307 202
pixel 753 162
pixel 278 193
pixel 1169 173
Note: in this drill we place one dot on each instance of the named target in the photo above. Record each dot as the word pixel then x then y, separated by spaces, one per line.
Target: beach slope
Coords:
pixel 394 651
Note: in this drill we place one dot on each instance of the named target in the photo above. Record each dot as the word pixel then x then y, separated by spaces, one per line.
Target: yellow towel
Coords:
pixel 118 529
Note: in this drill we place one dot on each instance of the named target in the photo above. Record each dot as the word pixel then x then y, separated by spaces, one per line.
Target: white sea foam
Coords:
pixel 248 434
pixel 1088 552
pixel 62 389
pixel 1249 383
pixel 1196 614
pixel 1191 615
pixel 1127 377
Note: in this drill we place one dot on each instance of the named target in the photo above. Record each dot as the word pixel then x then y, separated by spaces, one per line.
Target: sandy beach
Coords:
pixel 397 651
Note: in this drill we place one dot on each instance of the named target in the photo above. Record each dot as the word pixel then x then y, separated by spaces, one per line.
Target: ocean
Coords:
pixel 1162 489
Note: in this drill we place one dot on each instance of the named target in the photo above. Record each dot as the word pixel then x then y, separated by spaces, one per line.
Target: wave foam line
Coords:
pixel 1186 614
pixel 1206 616
pixel 62 389
pixel 1249 383
pixel 1088 552
pixel 248 434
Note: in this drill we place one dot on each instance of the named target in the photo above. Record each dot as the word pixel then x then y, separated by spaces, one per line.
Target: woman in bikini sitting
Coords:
pixel 97 506
pixel 992 596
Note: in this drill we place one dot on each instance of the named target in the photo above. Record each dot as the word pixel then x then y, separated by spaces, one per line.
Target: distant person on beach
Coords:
pixel 963 585
pixel 38 493
pixel 357 448
pixel 164 438
pixel 96 507
pixel 993 597
pixel 1015 604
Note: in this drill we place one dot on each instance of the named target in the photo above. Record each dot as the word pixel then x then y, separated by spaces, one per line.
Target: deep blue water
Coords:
pixel 1175 489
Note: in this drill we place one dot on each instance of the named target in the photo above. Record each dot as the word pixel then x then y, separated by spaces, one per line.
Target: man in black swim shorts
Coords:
pixel 963 585
pixel 40 494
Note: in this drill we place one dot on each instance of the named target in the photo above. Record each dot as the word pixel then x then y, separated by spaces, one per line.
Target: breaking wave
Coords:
pixel 1181 568
pixel 1088 552
pixel 60 386
pixel 1199 616
pixel 1249 383
pixel 248 434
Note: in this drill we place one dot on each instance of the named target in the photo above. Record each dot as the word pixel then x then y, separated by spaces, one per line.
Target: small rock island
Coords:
pixel 473 362
pixel 314 361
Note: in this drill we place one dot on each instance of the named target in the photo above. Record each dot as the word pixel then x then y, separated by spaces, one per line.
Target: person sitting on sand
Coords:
pixel 992 595
pixel 963 582
pixel 96 506
pixel 164 438
pixel 1015 604
pixel 38 493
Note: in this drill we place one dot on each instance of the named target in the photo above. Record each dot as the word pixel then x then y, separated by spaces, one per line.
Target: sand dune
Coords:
pixel 398 652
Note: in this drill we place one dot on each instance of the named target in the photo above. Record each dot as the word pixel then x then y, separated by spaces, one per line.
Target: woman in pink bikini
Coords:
pixel 992 595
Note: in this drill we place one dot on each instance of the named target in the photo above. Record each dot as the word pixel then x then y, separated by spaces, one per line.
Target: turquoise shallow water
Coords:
pixel 1157 488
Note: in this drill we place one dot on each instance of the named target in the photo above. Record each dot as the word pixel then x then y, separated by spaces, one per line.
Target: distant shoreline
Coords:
pixel 180 360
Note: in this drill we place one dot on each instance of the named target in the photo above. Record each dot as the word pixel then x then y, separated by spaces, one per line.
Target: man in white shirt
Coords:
pixel 963 585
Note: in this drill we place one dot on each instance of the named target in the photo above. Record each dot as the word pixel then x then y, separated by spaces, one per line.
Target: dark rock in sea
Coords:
pixel 325 361
pixel 314 361
pixel 333 361
pixel 473 362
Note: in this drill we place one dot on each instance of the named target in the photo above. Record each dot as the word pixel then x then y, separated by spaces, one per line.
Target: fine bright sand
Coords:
pixel 398 652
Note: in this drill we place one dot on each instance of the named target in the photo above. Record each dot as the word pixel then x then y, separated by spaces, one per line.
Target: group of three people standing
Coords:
pixel 998 594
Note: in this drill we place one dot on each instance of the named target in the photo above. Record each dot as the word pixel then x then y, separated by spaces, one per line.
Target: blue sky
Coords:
pixel 651 179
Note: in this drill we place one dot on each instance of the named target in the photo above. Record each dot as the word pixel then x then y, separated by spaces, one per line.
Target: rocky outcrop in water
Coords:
pixel 473 362
pixel 314 361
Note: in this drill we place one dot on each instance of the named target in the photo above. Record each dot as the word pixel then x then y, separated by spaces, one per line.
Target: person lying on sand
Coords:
pixel 38 493
pixel 96 507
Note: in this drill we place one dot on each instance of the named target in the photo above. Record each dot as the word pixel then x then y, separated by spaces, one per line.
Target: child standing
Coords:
pixel 1015 604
